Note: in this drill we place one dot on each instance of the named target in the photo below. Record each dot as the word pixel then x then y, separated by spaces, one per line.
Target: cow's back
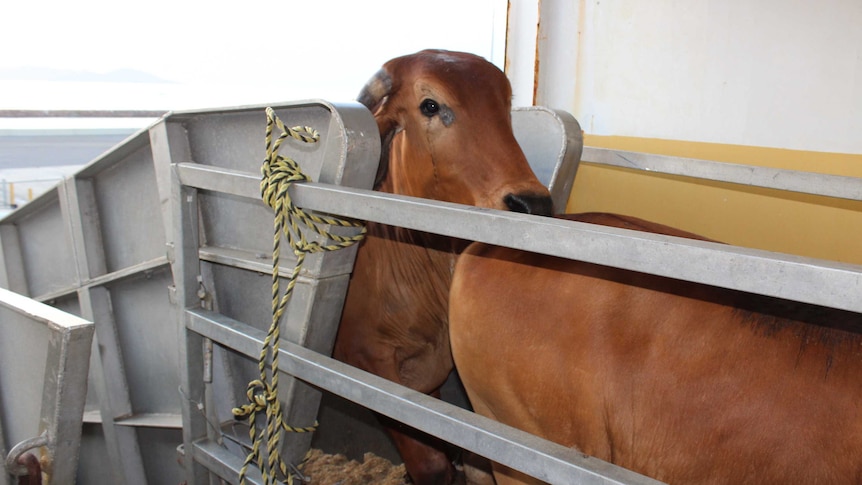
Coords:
pixel 679 381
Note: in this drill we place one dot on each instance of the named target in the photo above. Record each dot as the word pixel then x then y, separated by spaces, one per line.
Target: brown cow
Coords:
pixel 445 123
pixel 683 382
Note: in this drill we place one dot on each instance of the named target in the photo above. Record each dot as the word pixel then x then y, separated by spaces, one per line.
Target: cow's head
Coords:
pixel 445 123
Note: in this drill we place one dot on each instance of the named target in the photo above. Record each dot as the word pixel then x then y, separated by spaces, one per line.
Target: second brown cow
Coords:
pixel 683 382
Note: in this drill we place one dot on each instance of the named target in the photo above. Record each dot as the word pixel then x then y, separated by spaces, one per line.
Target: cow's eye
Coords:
pixel 429 107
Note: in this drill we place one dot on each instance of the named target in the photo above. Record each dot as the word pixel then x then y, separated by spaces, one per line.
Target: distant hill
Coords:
pixel 49 74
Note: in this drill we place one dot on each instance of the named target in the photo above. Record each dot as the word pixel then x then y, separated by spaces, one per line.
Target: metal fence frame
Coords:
pixel 804 279
pixel 204 446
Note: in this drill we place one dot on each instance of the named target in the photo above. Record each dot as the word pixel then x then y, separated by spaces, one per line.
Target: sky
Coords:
pixel 191 54
pixel 195 54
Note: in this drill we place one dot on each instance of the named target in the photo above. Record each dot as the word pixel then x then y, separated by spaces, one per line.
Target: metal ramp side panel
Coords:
pixel 552 141
pixel 44 357
pixel 108 396
pixel 80 200
pixel 46 260
pixel 12 275
pixel 101 225
pixel 119 240
pixel 233 141
pixel 216 158
pixel 41 226
pixel 126 196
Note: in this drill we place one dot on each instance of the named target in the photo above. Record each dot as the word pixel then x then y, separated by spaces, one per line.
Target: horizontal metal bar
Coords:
pixel 219 179
pixel 807 280
pixel 78 113
pixel 93 417
pixel 152 420
pixel 773 178
pixel 537 457
pixel 226 331
pixel 223 463
pixel 57 320
pixel 105 279
pixel 127 272
pixel 50 297
pixel 237 258
pixel 116 155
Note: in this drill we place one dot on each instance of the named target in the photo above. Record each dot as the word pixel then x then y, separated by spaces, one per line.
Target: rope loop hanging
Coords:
pixel 278 173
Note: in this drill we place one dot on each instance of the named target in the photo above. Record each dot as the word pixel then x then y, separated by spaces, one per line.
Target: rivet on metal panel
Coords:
pixel 170 253
pixel 172 294
pixel 203 294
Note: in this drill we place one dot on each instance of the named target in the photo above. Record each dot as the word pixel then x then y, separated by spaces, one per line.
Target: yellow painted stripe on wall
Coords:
pixel 786 222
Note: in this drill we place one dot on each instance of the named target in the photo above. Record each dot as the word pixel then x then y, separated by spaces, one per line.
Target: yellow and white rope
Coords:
pixel 279 172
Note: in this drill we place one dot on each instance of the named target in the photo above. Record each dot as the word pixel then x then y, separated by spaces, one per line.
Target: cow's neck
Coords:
pixel 418 264
pixel 432 249
pixel 408 275
pixel 434 243
pixel 399 298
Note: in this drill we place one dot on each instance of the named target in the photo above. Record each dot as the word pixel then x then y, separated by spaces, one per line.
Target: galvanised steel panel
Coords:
pixel 12 274
pixel 159 450
pixel 68 304
pixel 236 223
pixel 242 295
pixel 237 238
pixel 234 139
pixel 146 328
pixel 92 465
pixel 46 250
pixel 128 204
pixel 24 351
pixel 552 141
pixel 111 387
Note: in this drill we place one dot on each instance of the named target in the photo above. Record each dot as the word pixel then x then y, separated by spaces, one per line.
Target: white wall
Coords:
pixel 771 73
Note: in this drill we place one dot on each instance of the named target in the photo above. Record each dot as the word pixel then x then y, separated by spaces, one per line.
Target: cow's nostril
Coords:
pixel 539 205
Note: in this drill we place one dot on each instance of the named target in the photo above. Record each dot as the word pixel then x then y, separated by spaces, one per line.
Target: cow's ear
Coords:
pixel 374 96
pixel 376 91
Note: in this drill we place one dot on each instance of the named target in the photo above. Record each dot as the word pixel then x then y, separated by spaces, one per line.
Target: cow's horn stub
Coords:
pixel 375 90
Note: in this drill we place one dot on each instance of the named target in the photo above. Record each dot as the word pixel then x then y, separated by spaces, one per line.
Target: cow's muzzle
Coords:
pixel 539 205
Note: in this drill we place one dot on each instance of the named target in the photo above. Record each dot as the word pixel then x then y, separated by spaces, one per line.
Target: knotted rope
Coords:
pixel 279 172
